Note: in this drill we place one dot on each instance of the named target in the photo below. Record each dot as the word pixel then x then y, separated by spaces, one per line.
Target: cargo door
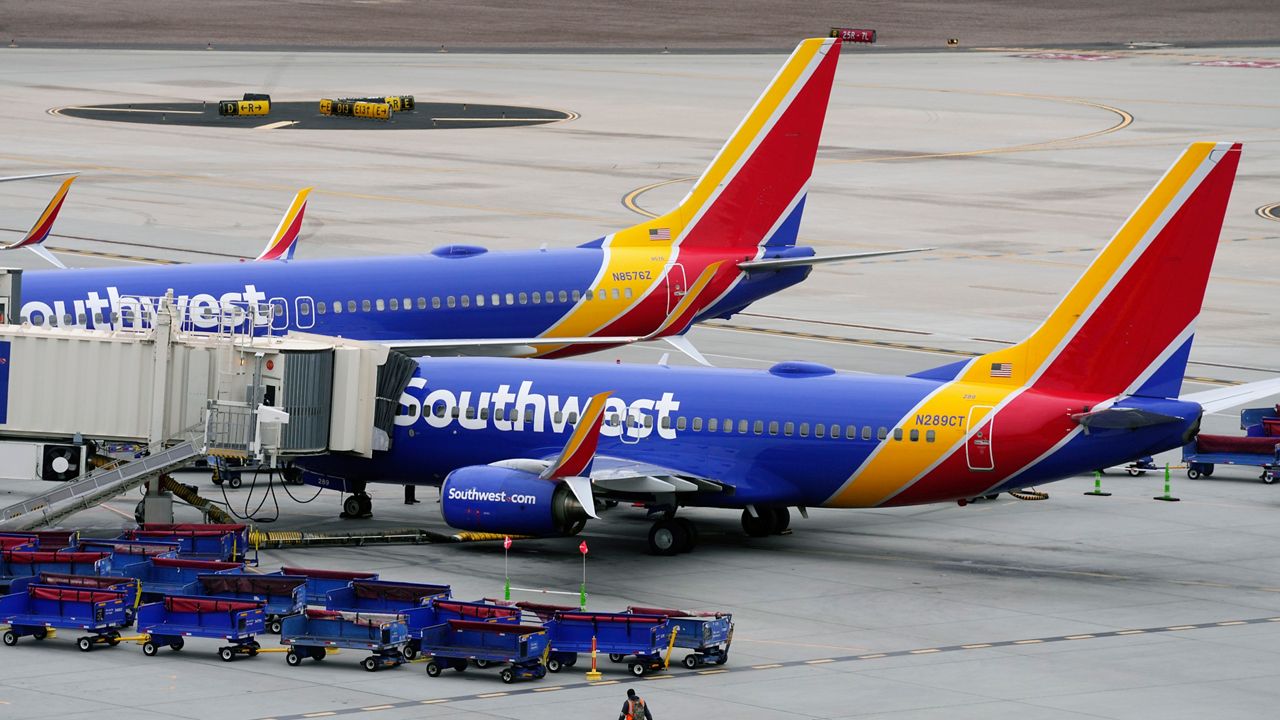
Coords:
pixel 978 447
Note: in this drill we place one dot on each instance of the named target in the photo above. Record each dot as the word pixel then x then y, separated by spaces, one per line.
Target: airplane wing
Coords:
pixel 285 239
pixel 11 178
pixel 613 475
pixel 39 232
pixel 494 347
pixel 780 263
pixel 1235 395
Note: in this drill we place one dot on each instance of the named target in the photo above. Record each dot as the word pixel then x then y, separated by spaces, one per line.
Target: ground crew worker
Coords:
pixel 634 708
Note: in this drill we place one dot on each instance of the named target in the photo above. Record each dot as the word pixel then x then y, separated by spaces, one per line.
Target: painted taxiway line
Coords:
pixel 812 662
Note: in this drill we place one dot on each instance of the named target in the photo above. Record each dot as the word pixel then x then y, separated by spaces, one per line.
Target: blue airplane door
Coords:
pixel 675 286
pixel 304 315
pixel 977 448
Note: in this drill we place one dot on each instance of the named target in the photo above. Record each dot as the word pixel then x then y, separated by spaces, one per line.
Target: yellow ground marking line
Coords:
pixel 925 651
pixel 1080 637
pixel 549 689
pixel 1231 622
pixel 770 666
pixel 712 672
pixel 872 656
pixel 976 646
pixel 1181 627
pixel 493 695
pixel 371 708
pixel 819 662
pixel 434 702
pixel 274 125
pixel 1131 632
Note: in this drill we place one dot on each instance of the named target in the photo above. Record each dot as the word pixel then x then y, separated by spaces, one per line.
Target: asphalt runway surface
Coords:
pixel 1016 165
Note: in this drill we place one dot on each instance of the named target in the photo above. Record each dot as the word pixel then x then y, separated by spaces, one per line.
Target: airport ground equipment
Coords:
pixel 281 594
pixel 708 635
pixel 124 553
pixel 315 630
pixel 1259 447
pixel 319 583
pixel 131 588
pixel 197 540
pixel 42 539
pixel 175 576
pixel 39 607
pixel 454 643
pixel 186 380
pixel 176 617
pixel 383 596
pixel 441 610
pixel 641 638
pixel 25 563
pixel 17 542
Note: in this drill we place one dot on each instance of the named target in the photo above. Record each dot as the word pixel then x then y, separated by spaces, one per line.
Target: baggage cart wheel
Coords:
pixel 234 481
pixel 460 665
pixel 433 668
pixel 692 661
pixel 113 638
pixel 724 658
pixel 273 627
pixel 539 672
pixel 10 638
pixel 227 653
pixel 370 663
pixel 177 644
pixel 317 654
pixel 616 657
pixel 1135 472
pixel 84 643
pixel 637 669
pixel 1193 472
pixel 253 650
pixel 293 658
pixel 40 634
pixel 149 649
pixel 1268 477
pixel 1207 470
pixel 482 664
pixel 409 653
pixel 508 676
pixel 553 665
pixel 571 660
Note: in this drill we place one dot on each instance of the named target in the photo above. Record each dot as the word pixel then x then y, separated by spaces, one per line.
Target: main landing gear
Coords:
pixel 358 504
pixel 674 535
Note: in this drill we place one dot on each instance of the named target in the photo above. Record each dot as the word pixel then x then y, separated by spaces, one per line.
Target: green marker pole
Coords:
pixel 1167 497
pixel 1097 485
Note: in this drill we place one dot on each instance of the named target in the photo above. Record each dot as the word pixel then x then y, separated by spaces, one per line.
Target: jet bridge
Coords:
pixel 237 391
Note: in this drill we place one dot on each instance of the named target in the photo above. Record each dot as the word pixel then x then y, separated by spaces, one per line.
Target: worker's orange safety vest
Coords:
pixel 635 709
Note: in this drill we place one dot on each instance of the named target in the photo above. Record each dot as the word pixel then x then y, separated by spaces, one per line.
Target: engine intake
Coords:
pixel 492 499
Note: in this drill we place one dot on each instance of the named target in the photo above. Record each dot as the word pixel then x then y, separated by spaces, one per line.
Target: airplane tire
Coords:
pixel 781 520
pixel 366 504
pixel 667 537
pixel 351 506
pixel 691 531
pixel 761 526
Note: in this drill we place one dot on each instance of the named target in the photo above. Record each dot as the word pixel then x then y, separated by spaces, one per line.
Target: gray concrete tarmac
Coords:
pixel 1016 169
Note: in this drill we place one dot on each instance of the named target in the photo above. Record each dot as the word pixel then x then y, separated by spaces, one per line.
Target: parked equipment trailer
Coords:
pixel 708 635
pixel 281 594
pixel 321 582
pixel 381 596
pixel 643 638
pixel 1260 446
pixel 455 642
pixel 441 610
pixel 40 607
pixel 315 630
pixel 181 616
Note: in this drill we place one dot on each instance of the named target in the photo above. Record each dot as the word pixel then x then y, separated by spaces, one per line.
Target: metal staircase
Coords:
pixel 100 484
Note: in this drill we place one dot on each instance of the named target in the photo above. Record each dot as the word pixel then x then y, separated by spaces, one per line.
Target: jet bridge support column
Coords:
pixel 157 505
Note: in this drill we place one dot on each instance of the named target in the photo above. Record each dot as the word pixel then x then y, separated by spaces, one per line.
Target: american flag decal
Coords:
pixel 659 233
pixel 1001 369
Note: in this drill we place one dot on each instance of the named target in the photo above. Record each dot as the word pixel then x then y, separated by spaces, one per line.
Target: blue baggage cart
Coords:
pixel 128 552
pixel 42 539
pixel 16 541
pixel 1260 446
pixel 177 617
pixel 162 576
pixel 320 582
pixel 314 631
pixel 643 638
pixel 26 563
pixel 440 610
pixel 131 588
pixel 40 607
pixel 200 542
pixel 281 593
pixel 382 596
pixel 708 635
pixel 453 643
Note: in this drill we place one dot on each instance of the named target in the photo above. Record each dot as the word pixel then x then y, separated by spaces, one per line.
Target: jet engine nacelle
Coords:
pixel 485 498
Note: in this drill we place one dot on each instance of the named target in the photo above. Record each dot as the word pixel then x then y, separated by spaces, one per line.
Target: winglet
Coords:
pixel 285 239
pixel 575 459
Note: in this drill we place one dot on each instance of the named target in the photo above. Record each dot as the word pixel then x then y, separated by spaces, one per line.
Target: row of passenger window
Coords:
pixel 480 300
pixel 726 426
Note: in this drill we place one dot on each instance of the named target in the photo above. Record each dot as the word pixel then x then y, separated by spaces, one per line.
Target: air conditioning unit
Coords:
pixel 62 462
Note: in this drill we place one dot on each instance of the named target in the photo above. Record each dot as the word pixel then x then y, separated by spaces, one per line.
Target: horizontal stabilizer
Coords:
pixel 11 178
pixel 780 263
pixel 1122 419
pixel 1234 396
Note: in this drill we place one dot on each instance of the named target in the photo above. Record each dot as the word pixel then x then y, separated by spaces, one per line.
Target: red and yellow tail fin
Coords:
pixel 1126 326
pixel 44 224
pixel 753 192
pixel 575 459
pixel 284 240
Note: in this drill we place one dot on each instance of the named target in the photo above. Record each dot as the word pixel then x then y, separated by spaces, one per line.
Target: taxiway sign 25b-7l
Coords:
pixel 730 241
pixel 1097 384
